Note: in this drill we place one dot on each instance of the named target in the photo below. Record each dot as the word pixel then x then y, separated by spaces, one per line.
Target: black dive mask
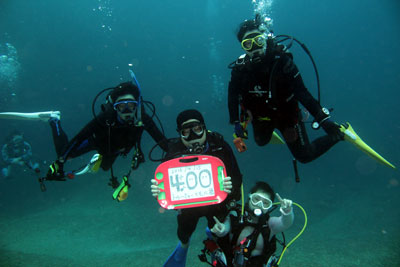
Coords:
pixel 192 131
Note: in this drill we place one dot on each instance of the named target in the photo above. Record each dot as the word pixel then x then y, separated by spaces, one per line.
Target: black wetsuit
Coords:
pixel 214 146
pixel 109 141
pixel 275 98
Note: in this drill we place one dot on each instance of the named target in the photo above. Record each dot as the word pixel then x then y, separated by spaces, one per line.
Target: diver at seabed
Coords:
pixel 16 151
pixel 252 231
pixel 267 86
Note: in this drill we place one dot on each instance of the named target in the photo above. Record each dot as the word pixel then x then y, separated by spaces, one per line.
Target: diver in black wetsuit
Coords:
pixel 195 139
pixel 115 131
pixel 268 86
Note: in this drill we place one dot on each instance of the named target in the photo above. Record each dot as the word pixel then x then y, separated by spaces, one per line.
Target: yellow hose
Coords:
pixel 298 235
pixel 242 200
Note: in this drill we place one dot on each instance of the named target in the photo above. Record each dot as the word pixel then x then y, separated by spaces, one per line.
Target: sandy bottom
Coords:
pixel 78 224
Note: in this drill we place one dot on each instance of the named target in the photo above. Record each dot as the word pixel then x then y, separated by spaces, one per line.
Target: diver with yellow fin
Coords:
pixel 266 89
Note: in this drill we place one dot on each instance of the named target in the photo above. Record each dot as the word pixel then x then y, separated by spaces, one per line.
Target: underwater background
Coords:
pixel 67 51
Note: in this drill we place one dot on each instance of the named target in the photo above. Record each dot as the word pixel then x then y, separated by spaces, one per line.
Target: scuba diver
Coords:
pixel 268 87
pixel 114 132
pixel 196 139
pixel 252 235
pixel 16 151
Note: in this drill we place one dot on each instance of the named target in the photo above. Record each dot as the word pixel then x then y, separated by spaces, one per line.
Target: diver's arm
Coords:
pixel 281 223
pixel 154 132
pixel 233 97
pixel 221 229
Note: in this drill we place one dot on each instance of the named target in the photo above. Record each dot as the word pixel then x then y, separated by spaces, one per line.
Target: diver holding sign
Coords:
pixel 196 140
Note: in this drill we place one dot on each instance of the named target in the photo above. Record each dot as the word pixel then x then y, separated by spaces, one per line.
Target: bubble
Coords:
pixel 167 100
pixel 365 165
pixel 394 182
pixel 105 10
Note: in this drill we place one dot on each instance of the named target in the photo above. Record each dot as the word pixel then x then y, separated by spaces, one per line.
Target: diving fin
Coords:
pixel 95 163
pixel 276 139
pixel 177 258
pixel 93 166
pixel 43 116
pixel 351 136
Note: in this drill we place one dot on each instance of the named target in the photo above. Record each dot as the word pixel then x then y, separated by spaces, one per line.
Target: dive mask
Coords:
pixel 259 40
pixel 260 201
pixel 191 131
pixel 126 106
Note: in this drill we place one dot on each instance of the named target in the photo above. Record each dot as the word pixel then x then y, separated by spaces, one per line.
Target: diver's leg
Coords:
pixel 60 138
pixel 187 221
pixel 297 140
pixel 107 162
pixel 262 131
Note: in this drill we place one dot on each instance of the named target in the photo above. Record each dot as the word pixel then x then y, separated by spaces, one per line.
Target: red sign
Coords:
pixel 191 181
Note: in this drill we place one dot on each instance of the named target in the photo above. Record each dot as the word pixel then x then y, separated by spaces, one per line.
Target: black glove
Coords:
pixel 56 171
pixel 239 131
pixel 332 128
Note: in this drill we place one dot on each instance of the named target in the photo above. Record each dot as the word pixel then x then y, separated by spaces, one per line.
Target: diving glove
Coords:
pixel 113 182
pixel 56 171
pixel 240 131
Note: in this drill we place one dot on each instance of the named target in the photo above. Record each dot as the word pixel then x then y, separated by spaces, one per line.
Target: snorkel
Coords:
pixel 138 119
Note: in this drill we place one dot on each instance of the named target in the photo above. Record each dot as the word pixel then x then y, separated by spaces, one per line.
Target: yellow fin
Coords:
pixel 276 139
pixel 351 136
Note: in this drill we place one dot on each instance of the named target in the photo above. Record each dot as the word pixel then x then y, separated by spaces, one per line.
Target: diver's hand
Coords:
pixel 227 185
pixel 154 188
pixel 239 131
pixel 56 171
pixel 332 128
pixel 286 205
pixel 218 228
pixel 113 182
